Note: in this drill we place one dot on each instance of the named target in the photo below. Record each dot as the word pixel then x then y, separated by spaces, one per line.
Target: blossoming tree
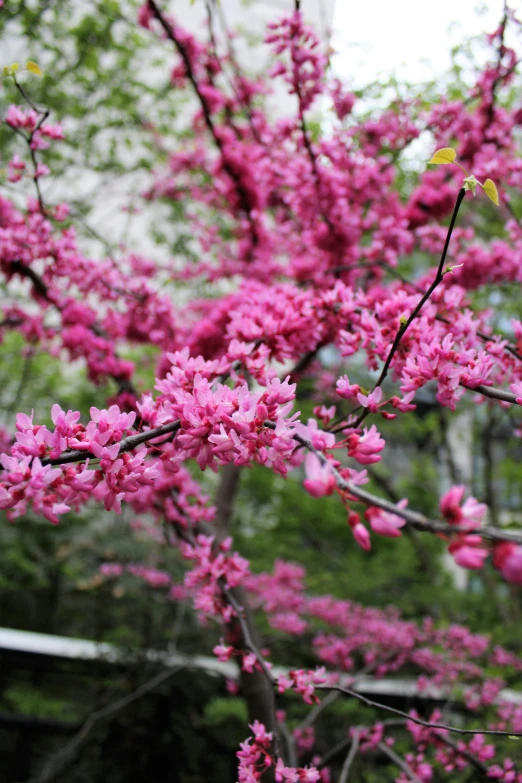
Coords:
pixel 310 249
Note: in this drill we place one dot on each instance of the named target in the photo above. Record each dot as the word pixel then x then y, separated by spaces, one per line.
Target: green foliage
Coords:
pixel 26 700
pixel 92 56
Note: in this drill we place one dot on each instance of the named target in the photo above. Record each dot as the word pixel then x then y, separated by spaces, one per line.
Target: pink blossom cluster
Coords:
pixel 302 682
pixel 211 569
pixel 256 756
pixel 305 71
pixel 466 547
pixel 53 491
pixel 151 576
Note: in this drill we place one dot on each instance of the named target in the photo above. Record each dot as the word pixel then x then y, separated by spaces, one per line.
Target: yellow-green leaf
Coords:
pixel 9 70
pixel 445 155
pixel 490 189
pixel 34 68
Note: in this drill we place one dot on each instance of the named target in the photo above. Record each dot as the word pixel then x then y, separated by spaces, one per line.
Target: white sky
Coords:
pixel 411 38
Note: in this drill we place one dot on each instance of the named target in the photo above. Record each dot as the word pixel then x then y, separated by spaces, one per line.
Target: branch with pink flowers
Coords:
pixel 329 471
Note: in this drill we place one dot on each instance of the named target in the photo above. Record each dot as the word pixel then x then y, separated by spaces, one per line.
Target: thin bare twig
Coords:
pixel 240 612
pixel 345 772
pixel 244 198
pixel 55 764
pixel 399 762
pixel 418 307
pixel 418 721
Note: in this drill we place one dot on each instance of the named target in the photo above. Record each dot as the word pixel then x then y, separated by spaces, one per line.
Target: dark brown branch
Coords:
pixel 416 310
pixel 257 686
pixel 38 284
pixel 414 518
pixel 249 641
pixel 127 444
pixel 244 198
pixel 224 501
pixel 42 289
pixel 418 721
pixel 44 113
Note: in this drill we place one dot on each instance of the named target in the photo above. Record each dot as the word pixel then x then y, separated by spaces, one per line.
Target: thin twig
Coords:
pixel 399 762
pixel 418 721
pixel 243 195
pixel 414 518
pixel 289 742
pixel 56 762
pixel 350 757
pixel 240 612
pixel 416 310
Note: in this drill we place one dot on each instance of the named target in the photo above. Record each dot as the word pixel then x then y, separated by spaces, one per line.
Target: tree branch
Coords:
pixel 56 763
pixel 345 772
pixel 416 310
pixel 399 762
pixel 418 721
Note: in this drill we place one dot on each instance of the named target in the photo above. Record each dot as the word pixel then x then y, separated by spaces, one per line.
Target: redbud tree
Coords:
pixel 320 265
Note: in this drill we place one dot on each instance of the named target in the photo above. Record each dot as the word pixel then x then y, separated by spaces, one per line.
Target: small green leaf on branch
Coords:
pixel 9 70
pixel 451 267
pixel 444 155
pixel 490 189
pixel 470 183
pixel 33 68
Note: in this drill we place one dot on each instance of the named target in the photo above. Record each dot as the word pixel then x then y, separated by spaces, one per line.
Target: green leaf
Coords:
pixel 490 189
pixel 9 70
pixel 444 155
pixel 470 183
pixel 33 67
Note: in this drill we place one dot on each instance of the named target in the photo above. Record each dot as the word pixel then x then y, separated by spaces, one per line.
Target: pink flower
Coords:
pixel 319 480
pixel 364 448
pixel 325 414
pixel 469 556
pixel 223 652
pixel 372 400
pixel 404 404
pixel 516 388
pixel 41 170
pixel 450 504
pixel 319 439
pixel 385 523
pixel 345 389
pixel 361 535
pixel 507 557
pixel 471 512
